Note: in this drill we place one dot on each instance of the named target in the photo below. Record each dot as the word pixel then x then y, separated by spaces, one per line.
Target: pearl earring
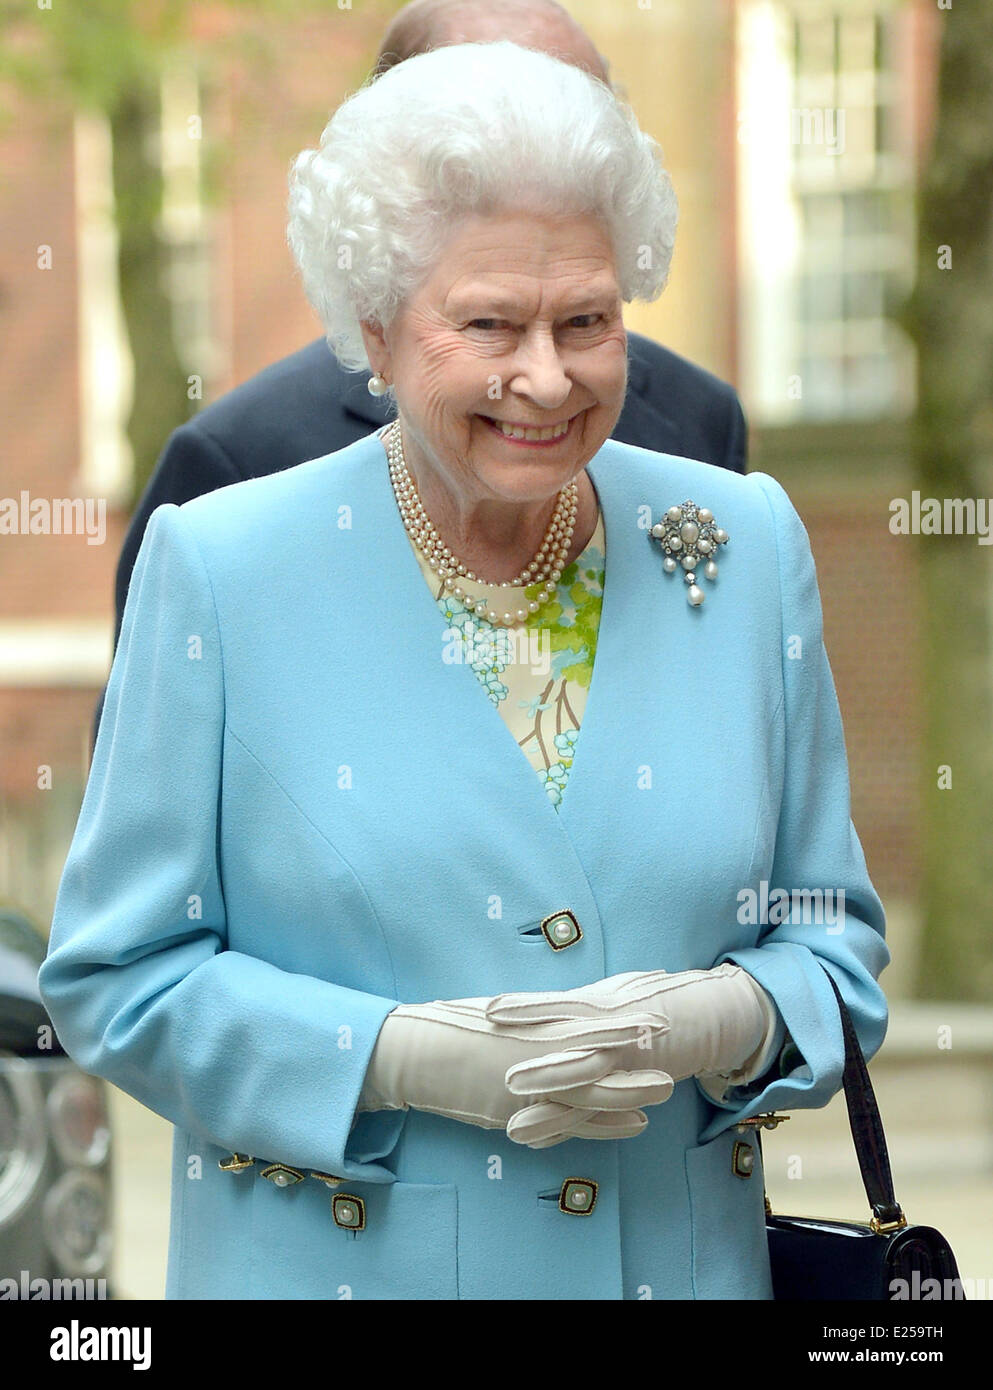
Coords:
pixel 377 386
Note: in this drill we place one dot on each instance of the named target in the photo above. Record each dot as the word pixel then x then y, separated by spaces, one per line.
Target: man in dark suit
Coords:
pixel 306 406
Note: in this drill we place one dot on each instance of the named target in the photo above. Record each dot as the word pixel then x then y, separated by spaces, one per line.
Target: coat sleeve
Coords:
pixel 816 849
pixel 139 980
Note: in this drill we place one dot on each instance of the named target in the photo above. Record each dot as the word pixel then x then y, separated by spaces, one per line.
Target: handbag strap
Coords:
pixel 867 1127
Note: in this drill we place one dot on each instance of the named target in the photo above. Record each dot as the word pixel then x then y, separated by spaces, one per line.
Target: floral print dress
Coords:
pixel 537 673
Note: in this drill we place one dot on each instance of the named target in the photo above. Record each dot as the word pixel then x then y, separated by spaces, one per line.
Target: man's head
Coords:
pixel 541 24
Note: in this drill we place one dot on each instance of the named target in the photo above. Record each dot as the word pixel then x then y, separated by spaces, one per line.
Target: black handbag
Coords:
pixel 882 1259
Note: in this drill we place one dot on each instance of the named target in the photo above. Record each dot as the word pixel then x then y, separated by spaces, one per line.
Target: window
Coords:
pixel 105 369
pixel 826 229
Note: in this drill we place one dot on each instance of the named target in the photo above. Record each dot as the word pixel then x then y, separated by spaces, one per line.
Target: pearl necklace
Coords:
pixel 545 569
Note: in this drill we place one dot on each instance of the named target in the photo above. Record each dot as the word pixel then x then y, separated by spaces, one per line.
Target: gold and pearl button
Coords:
pixel 328 1179
pixel 348 1211
pixel 742 1159
pixel 578 1196
pixel 561 929
pixel 235 1163
pixel 281 1175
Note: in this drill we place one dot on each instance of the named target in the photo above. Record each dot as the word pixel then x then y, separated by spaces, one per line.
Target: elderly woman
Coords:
pixel 446 865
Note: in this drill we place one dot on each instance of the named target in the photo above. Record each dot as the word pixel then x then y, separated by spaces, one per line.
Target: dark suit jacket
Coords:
pixel 306 406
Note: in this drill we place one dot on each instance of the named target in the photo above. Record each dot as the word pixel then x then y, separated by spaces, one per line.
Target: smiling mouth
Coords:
pixel 529 434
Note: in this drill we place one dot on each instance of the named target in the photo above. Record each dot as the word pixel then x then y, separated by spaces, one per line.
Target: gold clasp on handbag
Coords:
pixel 883 1228
pixel 769 1121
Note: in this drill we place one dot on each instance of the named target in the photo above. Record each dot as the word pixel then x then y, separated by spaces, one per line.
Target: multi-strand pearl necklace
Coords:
pixel 509 603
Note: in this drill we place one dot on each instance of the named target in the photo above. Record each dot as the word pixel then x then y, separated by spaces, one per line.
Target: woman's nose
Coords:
pixel 538 372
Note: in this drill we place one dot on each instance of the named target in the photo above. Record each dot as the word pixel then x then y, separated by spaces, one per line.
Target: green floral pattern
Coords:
pixel 542 707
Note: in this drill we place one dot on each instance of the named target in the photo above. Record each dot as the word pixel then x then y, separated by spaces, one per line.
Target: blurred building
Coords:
pixel 792 129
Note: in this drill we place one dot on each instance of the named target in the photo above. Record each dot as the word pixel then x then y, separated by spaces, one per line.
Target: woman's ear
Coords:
pixel 376 347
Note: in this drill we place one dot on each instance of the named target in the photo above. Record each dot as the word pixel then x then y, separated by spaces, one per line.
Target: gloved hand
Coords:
pixel 720 1023
pixel 448 1058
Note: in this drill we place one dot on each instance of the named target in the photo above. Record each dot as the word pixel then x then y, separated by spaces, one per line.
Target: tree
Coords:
pixel 107 56
pixel 950 316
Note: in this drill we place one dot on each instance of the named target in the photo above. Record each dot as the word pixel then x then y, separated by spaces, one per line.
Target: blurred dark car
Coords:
pixel 55 1169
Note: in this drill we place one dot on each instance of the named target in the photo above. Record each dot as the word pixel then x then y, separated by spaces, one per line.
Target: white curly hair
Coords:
pixel 474 128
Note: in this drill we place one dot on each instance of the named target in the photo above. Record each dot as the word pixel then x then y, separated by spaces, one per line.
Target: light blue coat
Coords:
pixel 299 815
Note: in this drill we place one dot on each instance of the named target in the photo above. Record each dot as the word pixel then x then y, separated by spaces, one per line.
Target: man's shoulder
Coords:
pixel 306 373
pixel 677 407
pixel 301 407
pixel 653 361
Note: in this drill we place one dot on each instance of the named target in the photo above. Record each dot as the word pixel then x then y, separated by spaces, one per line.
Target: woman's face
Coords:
pixel 520 322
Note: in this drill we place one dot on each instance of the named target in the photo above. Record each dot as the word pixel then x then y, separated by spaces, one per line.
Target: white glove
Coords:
pixel 446 1057
pixel 721 1025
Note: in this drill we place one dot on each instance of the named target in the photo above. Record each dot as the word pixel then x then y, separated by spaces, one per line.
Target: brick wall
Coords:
pixel 869 598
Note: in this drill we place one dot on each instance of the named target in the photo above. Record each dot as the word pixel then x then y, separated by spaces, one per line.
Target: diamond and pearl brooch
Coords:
pixel 690 537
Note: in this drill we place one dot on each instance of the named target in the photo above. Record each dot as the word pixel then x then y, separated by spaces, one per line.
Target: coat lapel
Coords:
pixel 458 781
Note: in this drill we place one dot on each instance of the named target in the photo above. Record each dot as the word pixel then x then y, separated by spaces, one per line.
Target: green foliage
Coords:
pixel 108 56
pixel 950 316
pixel 88 54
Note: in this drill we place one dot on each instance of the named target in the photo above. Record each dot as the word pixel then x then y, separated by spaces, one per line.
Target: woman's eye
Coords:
pixel 578 321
